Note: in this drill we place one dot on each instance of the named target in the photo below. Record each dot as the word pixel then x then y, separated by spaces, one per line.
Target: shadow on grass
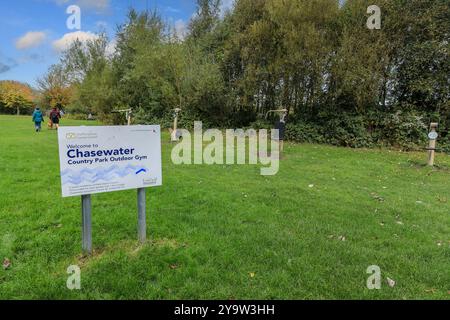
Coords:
pixel 413 163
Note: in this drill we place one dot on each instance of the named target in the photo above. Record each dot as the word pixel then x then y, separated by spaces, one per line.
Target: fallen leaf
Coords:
pixel 173 266
pixel 443 200
pixel 390 282
pixel 430 290
pixel 377 197
pixel 399 222
pixel 342 238
pixel 311 186
pixel 252 274
pixel 6 263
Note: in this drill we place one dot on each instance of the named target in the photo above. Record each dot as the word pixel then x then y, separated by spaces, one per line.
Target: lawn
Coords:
pixel 226 232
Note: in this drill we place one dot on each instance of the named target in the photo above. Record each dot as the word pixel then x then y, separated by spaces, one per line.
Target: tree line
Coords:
pixel 342 83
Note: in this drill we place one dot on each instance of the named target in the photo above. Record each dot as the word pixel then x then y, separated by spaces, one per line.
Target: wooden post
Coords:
pixel 432 143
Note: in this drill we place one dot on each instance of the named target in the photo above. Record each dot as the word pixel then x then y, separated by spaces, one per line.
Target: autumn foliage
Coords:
pixel 16 96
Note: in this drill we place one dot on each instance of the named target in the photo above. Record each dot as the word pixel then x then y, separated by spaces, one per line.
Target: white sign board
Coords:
pixel 433 135
pixel 106 159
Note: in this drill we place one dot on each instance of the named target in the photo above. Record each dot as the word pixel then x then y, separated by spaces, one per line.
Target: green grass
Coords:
pixel 225 232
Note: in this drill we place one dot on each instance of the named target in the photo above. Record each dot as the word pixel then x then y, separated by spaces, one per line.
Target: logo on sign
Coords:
pixel 150 182
pixel 71 136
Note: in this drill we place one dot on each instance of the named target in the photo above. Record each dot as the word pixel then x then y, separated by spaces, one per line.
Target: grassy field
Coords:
pixel 226 232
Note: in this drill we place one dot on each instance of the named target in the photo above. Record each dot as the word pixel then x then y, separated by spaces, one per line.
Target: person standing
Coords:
pixel 55 115
pixel 38 118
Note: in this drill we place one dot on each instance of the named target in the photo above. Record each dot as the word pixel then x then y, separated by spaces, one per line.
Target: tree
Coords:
pixel 55 88
pixel 205 19
pixel 86 77
pixel 16 95
pixel 317 58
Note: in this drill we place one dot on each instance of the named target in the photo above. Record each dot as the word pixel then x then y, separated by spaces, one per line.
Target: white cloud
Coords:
pixel 64 42
pixel 181 29
pixel 31 39
pixel 111 48
pixel 226 5
pixel 172 10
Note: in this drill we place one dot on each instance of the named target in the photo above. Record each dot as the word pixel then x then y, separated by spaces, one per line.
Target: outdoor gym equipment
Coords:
pixel 128 114
pixel 281 125
pixel 175 135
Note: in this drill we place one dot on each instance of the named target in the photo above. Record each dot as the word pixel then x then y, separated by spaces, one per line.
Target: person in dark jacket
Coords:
pixel 55 115
pixel 38 118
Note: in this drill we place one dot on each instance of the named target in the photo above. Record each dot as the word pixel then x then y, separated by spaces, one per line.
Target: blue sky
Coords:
pixel 32 32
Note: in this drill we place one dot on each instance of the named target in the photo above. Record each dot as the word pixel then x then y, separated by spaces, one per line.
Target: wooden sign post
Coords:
pixel 433 135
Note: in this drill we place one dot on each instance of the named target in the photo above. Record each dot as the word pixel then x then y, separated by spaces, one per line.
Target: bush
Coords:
pixel 304 132
pixel 404 129
pixel 347 130
pixel 261 124
pixel 444 144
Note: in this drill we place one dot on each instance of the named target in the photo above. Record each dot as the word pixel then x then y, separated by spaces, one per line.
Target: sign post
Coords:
pixel 433 135
pixel 107 159
pixel 87 223
pixel 142 224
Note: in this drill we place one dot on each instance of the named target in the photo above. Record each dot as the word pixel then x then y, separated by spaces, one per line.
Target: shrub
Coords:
pixel 404 129
pixel 304 132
